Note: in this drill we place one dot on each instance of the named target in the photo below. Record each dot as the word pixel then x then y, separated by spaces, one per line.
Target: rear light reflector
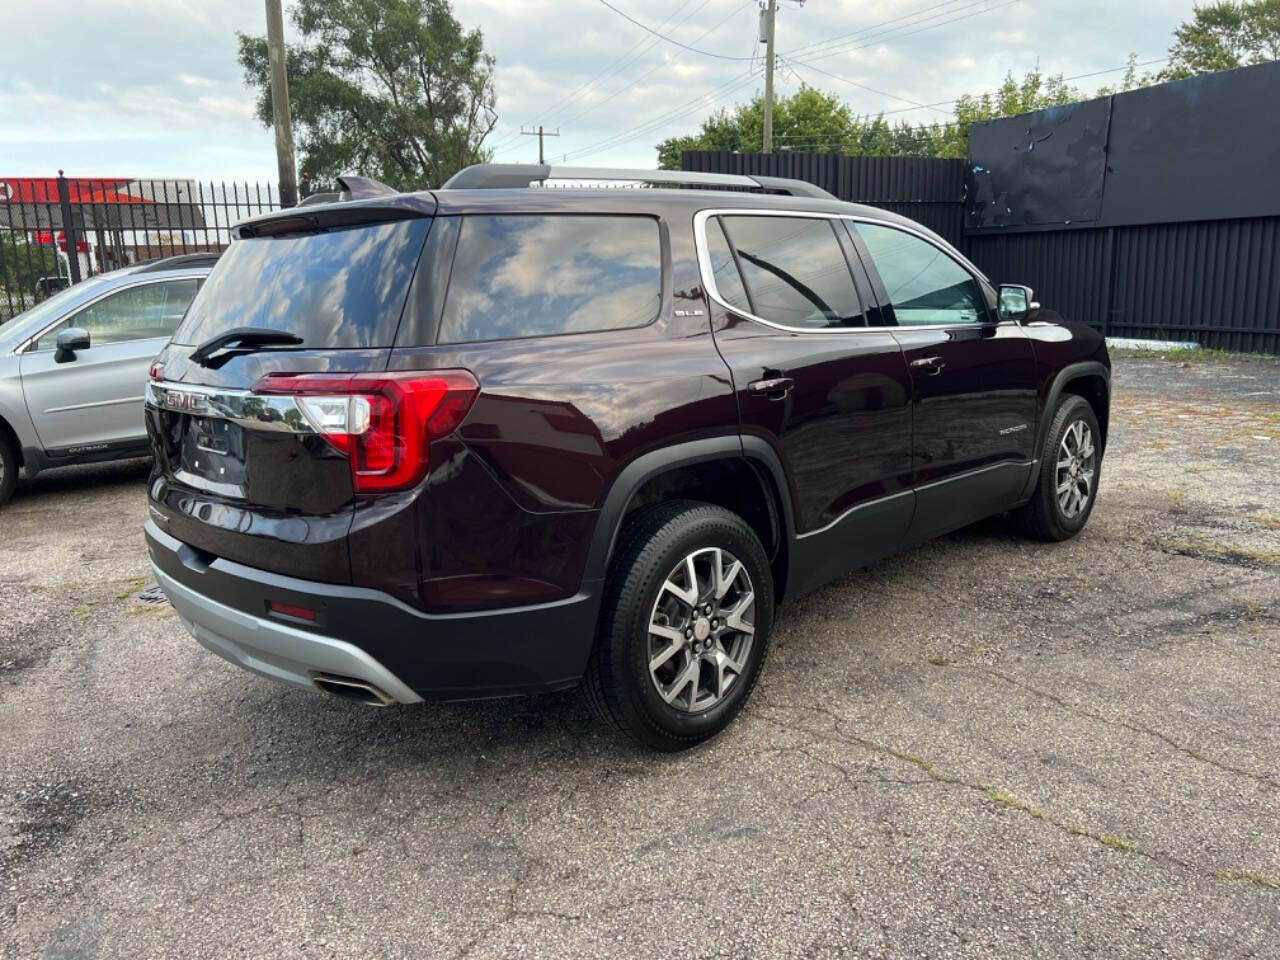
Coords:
pixel 383 422
pixel 289 610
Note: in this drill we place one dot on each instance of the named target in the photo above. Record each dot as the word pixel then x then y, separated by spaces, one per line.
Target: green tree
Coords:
pixel 391 89
pixel 22 265
pixel 813 121
pixel 1035 91
pixel 1223 36
pixel 808 120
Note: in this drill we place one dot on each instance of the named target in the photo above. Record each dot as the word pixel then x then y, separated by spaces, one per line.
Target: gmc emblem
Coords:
pixel 183 401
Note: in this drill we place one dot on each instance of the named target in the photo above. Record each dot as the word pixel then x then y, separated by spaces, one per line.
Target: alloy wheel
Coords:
pixel 701 629
pixel 1076 469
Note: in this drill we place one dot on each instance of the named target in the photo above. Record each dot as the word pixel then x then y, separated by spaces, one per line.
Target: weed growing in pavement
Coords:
pixel 1118 843
pixel 1249 876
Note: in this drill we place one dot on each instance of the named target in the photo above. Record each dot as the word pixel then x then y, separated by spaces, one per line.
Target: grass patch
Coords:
pixel 1249 876
pixel 131 586
pixel 1118 843
pixel 1175 354
pixel 1221 551
pixel 940 661
pixel 1268 520
pixel 1177 494
pixel 1251 607
pixel 1007 799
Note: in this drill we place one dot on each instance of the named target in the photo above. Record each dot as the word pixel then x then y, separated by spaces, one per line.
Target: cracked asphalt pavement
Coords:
pixel 984 747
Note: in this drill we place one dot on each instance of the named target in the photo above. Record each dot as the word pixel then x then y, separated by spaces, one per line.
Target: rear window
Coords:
pixel 528 276
pixel 340 288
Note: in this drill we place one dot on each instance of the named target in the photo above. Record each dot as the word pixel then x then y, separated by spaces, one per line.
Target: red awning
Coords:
pixel 80 190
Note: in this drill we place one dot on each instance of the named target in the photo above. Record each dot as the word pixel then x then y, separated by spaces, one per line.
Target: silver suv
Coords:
pixel 73 368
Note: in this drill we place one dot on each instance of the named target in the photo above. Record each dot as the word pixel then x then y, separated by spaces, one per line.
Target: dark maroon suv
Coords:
pixel 494 439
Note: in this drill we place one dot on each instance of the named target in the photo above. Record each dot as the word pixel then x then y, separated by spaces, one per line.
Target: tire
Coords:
pixel 648 585
pixel 1046 516
pixel 8 469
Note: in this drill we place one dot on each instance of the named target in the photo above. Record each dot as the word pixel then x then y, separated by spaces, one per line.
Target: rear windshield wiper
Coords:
pixel 246 339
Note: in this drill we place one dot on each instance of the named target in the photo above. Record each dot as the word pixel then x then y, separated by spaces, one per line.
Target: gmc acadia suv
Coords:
pixel 493 439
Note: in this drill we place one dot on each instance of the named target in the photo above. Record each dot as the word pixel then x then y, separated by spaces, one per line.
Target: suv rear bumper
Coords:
pixel 370 636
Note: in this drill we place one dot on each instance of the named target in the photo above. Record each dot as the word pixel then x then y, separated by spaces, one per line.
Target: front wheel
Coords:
pixel 1070 465
pixel 685 625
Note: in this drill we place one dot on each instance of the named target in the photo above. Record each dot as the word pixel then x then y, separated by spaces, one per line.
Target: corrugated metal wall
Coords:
pixel 926 190
pixel 1216 282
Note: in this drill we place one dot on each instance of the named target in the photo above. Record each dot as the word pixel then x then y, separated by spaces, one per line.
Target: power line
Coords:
pixel 862 30
pixel 896 32
pixel 646 128
pixel 718 24
pixel 663 36
pixel 616 66
pixel 1078 76
pixel 820 139
pixel 812 50
pixel 648 43
pixel 654 123
pixel 860 86
pixel 658 66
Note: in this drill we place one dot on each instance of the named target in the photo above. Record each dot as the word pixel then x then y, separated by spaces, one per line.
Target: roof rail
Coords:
pixel 498 175
pixel 181 261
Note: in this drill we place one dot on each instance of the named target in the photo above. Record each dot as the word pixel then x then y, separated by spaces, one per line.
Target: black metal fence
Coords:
pixel 928 191
pixel 55 231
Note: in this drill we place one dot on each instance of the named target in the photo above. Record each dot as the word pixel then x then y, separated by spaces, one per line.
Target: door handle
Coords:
pixel 775 388
pixel 931 365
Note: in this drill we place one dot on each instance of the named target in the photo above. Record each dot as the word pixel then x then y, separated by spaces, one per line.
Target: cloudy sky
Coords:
pixel 151 87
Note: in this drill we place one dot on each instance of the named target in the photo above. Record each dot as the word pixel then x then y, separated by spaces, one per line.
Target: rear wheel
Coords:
pixel 8 469
pixel 685 626
pixel 1070 465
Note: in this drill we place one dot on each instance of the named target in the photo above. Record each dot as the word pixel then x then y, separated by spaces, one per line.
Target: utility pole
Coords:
pixel 280 106
pixel 771 10
pixel 539 134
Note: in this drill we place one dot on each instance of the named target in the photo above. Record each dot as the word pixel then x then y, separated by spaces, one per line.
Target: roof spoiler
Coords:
pixel 487 176
pixel 351 187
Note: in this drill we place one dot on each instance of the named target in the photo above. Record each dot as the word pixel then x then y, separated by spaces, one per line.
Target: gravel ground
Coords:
pixel 982 748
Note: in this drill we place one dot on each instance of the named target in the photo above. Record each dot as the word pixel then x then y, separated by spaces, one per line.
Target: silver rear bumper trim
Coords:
pixel 275 650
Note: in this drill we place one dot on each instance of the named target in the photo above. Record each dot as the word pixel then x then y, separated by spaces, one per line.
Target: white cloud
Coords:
pixel 153 88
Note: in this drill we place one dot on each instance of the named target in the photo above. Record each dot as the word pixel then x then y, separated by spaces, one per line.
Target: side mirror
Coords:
pixel 69 341
pixel 1016 302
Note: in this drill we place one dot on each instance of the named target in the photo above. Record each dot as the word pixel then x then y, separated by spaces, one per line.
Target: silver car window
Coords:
pixel 147 311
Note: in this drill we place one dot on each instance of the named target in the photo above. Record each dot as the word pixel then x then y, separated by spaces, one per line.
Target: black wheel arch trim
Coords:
pixel 656 462
pixel 1073 371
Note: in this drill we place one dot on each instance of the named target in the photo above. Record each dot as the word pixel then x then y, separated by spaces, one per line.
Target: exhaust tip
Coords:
pixel 349 688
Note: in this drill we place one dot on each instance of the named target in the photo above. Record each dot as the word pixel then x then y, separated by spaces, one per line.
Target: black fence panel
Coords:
pixel 925 189
pixel 55 231
pixel 1069 271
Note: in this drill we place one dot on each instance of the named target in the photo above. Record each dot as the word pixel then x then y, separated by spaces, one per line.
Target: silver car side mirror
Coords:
pixel 69 341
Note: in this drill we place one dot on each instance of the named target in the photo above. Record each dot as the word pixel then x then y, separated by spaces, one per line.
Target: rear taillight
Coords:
pixel 383 422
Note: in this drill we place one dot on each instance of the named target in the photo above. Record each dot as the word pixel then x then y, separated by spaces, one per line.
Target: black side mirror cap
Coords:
pixel 69 341
pixel 1017 303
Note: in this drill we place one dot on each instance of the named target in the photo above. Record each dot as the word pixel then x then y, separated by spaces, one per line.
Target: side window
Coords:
pixel 925 285
pixel 795 271
pixel 528 276
pixel 724 270
pixel 150 310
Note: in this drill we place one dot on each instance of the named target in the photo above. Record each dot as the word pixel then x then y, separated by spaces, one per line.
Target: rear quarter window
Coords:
pixel 339 288
pixel 528 275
